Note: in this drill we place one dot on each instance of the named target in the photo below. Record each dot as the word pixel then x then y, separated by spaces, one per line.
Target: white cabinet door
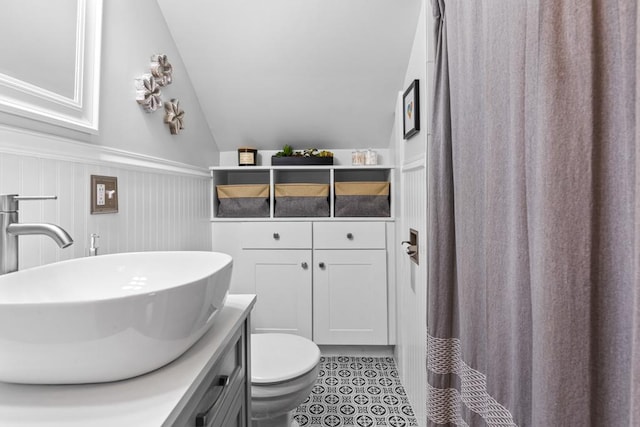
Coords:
pixel 282 280
pixel 350 297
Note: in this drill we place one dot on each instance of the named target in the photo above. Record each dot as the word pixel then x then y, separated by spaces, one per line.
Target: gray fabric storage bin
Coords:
pixel 243 201
pixel 360 199
pixel 301 200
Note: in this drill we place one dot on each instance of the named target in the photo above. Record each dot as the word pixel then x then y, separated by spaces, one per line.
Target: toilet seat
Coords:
pixel 277 358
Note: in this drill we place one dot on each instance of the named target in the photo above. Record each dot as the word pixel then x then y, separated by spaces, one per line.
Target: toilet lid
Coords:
pixel 281 357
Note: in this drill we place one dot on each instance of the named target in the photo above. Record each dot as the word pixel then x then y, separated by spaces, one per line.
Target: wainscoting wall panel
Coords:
pixel 412 290
pixel 158 209
pixel 411 348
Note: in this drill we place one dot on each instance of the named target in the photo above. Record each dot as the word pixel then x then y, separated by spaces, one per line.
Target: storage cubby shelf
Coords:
pixel 309 218
pixel 272 175
pixel 301 167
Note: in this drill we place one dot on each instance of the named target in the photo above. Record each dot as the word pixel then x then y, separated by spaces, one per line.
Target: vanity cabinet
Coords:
pixel 208 385
pixel 324 280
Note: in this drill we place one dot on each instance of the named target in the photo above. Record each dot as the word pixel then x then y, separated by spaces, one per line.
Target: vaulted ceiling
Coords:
pixel 309 73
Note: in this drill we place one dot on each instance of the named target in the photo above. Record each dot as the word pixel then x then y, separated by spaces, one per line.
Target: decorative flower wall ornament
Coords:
pixel 148 93
pixel 173 116
pixel 161 69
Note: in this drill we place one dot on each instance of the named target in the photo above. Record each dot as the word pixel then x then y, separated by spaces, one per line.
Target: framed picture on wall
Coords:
pixel 411 110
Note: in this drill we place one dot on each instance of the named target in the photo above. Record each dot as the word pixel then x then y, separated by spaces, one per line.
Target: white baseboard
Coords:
pixel 357 350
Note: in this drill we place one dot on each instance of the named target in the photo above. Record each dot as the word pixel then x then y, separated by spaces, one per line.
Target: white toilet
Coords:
pixel 284 369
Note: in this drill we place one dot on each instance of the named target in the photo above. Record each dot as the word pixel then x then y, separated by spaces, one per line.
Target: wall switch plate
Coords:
pixel 104 194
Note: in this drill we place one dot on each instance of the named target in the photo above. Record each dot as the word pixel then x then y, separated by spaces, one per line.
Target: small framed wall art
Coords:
pixel 411 110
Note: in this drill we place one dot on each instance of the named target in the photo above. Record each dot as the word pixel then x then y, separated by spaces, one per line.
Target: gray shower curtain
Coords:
pixel 534 214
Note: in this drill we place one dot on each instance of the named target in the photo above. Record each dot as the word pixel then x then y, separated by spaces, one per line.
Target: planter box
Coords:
pixel 300 161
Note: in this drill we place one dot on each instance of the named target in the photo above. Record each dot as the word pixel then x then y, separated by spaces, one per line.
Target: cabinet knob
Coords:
pixel 304 265
pixel 321 265
pixel 350 236
pixel 276 236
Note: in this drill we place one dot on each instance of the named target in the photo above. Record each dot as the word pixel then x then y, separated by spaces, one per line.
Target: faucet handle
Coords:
pixel 93 248
pixel 9 202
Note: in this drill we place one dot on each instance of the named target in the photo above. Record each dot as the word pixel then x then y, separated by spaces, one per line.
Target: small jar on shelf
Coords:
pixel 358 158
pixel 371 157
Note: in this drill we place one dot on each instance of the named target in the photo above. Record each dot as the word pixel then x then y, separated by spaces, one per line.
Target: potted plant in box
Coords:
pixel 311 156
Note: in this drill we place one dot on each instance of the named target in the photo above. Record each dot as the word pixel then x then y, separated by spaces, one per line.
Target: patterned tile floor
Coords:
pixel 356 391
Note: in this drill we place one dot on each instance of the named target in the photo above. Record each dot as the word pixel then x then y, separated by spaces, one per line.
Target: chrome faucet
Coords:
pixel 10 229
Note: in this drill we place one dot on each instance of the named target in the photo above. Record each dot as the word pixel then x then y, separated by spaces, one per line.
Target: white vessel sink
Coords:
pixel 109 317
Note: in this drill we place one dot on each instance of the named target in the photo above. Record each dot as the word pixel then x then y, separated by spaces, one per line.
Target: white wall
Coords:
pixel 163 183
pixel 133 31
pixel 415 147
pixel 157 210
pixel 411 284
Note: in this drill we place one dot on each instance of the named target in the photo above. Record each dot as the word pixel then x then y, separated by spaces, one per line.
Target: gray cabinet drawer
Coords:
pixel 215 395
pixel 237 414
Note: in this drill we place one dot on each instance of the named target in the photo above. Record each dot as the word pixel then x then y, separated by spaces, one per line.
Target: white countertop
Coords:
pixel 145 401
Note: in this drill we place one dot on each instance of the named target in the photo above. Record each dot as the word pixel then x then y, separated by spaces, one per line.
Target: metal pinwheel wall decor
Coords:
pixel 161 69
pixel 148 93
pixel 149 96
pixel 173 116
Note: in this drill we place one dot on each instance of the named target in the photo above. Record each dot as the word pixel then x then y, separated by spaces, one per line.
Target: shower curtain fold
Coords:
pixel 635 371
pixel 534 214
